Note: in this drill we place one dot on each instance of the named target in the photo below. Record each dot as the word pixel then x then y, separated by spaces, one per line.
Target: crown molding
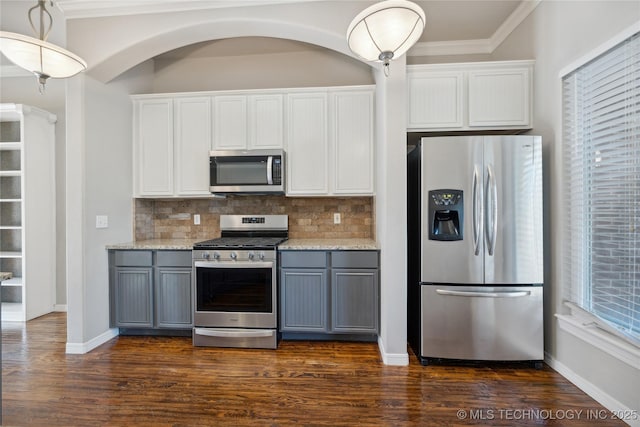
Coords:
pixel 458 47
pixel 79 9
pixel 479 46
pixel 511 23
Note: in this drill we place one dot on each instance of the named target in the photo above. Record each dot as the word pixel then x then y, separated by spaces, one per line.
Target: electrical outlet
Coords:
pixel 336 218
pixel 196 219
pixel 102 221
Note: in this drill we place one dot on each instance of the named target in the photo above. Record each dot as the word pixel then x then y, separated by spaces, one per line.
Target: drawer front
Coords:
pixel 303 259
pixel 354 259
pixel 133 258
pixel 173 258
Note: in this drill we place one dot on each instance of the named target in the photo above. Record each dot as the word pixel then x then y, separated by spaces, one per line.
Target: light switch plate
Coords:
pixel 102 221
pixel 336 218
pixel 196 219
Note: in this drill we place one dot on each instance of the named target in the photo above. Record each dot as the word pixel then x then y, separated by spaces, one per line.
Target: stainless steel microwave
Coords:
pixel 250 171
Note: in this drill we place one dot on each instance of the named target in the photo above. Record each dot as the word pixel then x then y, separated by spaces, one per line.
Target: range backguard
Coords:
pixel 446 215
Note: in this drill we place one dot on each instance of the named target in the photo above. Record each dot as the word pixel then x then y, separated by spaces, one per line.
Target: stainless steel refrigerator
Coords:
pixel 475 248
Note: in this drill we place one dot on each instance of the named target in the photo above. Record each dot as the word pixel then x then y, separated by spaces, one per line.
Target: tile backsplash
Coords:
pixel 309 217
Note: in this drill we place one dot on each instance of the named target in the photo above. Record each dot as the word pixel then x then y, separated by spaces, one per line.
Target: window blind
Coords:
pixel 601 132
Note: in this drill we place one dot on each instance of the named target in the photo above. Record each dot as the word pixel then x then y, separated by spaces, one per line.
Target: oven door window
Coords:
pixel 234 290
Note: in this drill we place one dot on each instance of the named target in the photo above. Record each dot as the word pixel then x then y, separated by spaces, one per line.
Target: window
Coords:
pixel 601 118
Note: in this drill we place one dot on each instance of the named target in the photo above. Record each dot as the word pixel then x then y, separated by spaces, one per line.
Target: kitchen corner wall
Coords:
pixel 309 217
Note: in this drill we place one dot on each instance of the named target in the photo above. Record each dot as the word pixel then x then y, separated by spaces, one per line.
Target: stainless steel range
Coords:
pixel 235 281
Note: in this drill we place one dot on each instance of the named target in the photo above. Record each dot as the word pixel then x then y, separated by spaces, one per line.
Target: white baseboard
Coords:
pixel 593 391
pixel 393 359
pixel 82 348
pixel 60 307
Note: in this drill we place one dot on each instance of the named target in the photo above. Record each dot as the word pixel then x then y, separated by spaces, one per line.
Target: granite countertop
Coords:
pixel 291 244
pixel 157 244
pixel 5 276
pixel 329 244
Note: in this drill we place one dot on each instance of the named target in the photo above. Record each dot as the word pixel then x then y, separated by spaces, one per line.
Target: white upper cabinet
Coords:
pixel 192 142
pixel 308 145
pixel 330 145
pixel 435 99
pixel 470 96
pixel 352 118
pixel 248 121
pixel 230 122
pixel 266 121
pixel 500 97
pixel 172 137
pixel 153 147
pixel 327 134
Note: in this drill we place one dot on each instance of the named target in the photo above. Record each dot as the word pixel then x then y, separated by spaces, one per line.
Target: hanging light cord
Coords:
pixel 43 35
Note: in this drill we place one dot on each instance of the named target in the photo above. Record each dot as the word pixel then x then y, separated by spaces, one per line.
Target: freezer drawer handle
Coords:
pixel 233 334
pixel 512 294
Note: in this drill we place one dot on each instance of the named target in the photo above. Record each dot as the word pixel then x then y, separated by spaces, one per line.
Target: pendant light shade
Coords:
pixel 38 56
pixel 386 30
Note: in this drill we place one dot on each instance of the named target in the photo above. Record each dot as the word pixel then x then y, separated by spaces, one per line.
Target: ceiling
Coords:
pixel 452 26
pixel 456 20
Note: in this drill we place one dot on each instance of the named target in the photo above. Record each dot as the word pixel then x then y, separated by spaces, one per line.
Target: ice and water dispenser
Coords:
pixel 446 215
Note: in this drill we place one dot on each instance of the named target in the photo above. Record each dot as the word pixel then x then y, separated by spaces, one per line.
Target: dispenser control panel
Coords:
pixel 446 199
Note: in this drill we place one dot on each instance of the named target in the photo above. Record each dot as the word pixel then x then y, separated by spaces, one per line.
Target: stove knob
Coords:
pixel 206 255
pixel 251 255
pixel 216 256
pixel 261 256
pixel 233 255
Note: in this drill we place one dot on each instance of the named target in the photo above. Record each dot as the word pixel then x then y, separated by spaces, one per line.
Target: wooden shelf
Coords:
pixel 27 207
pixel 8 254
pixel 10 145
pixel 14 281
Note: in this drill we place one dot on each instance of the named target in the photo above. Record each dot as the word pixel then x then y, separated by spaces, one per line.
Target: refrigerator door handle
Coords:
pixel 492 206
pixel 511 294
pixel 477 212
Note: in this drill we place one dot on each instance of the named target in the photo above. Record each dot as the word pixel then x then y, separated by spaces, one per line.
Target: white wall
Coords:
pixel 99 182
pixel 391 210
pixel 305 68
pixel 556 34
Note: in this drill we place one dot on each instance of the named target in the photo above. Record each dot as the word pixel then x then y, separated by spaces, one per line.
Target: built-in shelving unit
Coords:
pixel 27 211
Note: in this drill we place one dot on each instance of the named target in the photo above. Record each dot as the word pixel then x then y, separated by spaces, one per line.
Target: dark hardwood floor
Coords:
pixel 160 381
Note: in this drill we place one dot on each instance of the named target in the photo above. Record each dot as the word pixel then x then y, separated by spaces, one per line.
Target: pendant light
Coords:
pixel 385 30
pixel 36 55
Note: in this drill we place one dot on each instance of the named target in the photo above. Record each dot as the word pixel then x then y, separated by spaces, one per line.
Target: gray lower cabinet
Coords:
pixel 133 296
pixel 329 292
pixel 304 300
pixel 173 297
pixel 354 300
pixel 150 289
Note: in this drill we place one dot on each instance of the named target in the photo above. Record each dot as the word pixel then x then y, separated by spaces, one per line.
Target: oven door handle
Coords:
pixel 233 333
pixel 233 264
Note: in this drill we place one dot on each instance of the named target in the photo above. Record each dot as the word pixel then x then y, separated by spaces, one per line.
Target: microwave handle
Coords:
pixel 270 170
